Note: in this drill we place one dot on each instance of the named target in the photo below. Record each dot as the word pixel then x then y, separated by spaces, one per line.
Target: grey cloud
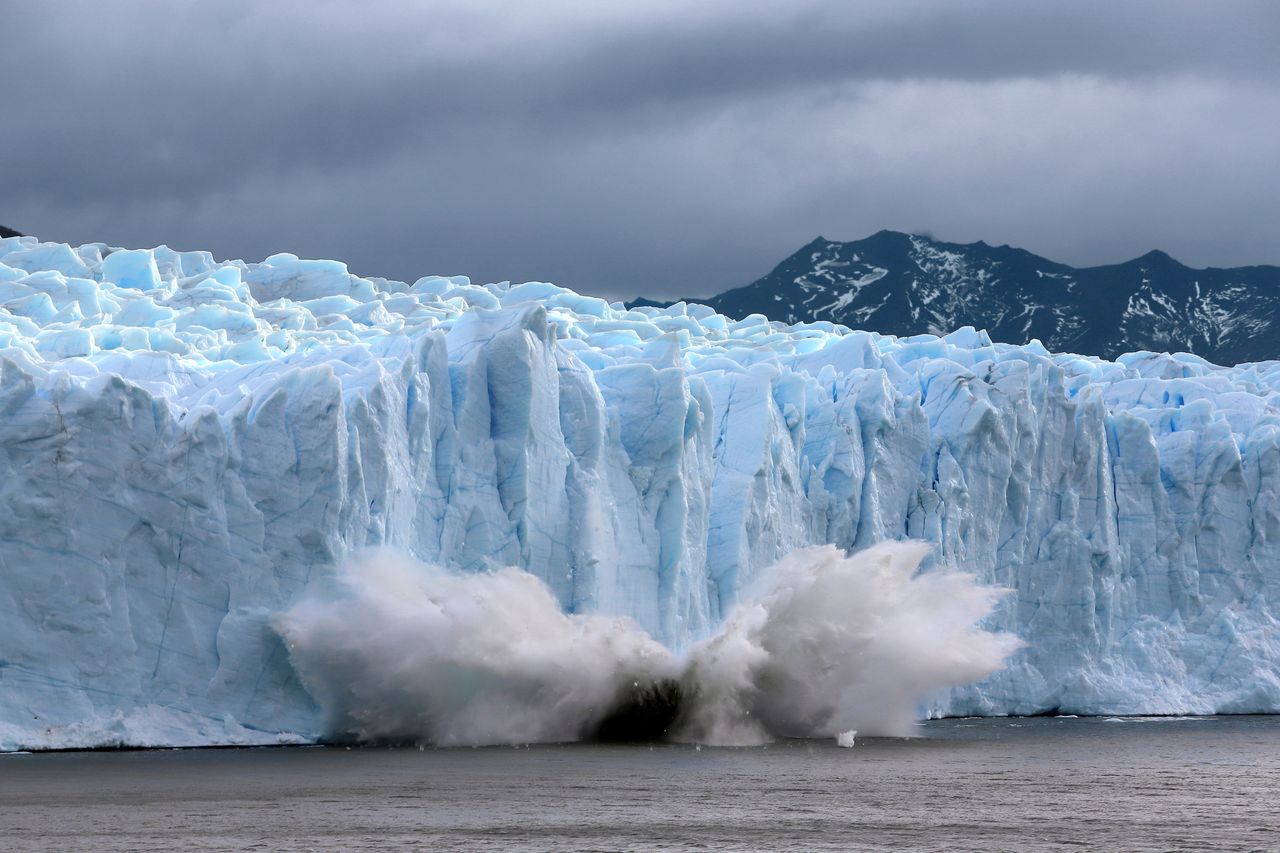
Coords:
pixel 624 148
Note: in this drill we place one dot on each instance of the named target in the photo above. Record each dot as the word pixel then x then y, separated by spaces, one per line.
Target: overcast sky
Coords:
pixel 641 148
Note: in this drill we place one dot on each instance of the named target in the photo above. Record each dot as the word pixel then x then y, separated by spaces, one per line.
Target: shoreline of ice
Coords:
pixel 189 444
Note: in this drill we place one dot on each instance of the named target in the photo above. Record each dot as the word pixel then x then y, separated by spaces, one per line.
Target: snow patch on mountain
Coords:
pixel 908 284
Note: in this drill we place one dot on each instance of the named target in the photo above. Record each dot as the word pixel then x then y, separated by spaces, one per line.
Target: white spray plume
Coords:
pixel 827 642
pixel 412 652
pixel 823 643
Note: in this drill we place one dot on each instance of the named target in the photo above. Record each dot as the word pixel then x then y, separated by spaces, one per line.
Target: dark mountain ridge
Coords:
pixel 905 284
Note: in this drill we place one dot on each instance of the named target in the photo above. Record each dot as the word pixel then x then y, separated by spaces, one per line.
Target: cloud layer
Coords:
pixel 646 148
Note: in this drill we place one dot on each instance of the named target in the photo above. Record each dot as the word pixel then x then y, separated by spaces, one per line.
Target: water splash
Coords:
pixel 827 642
pixel 823 643
pixel 411 652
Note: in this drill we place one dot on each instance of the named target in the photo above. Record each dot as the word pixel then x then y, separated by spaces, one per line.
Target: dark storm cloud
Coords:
pixel 625 148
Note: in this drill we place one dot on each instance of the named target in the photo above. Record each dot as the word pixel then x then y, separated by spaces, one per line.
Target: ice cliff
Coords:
pixel 187 445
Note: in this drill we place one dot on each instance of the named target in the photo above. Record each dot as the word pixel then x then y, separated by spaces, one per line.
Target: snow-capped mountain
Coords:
pixel 904 284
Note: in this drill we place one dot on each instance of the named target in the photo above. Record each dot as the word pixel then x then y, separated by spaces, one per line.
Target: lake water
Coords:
pixel 997 784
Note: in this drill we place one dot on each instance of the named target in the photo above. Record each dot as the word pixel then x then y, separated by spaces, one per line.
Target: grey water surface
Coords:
pixel 991 784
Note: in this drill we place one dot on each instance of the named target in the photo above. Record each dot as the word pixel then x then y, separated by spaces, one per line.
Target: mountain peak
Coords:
pixel 887 238
pixel 1157 256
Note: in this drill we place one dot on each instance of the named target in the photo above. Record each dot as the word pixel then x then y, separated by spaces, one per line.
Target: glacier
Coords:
pixel 190 445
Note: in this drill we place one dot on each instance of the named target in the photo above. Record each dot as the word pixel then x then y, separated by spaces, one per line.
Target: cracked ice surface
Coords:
pixel 188 444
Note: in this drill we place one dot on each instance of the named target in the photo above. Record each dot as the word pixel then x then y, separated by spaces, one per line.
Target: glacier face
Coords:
pixel 188 445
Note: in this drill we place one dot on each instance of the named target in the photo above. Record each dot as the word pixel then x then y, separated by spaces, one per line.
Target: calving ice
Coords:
pixel 197 453
pixel 411 653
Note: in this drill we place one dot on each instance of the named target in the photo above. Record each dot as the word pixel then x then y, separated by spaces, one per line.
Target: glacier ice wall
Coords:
pixel 186 445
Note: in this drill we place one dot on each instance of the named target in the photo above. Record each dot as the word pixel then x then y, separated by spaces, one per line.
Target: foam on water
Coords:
pixel 403 651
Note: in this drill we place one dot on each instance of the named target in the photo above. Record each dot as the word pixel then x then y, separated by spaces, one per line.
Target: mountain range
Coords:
pixel 906 284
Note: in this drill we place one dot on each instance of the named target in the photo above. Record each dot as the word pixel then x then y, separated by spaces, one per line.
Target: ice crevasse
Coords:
pixel 187 445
